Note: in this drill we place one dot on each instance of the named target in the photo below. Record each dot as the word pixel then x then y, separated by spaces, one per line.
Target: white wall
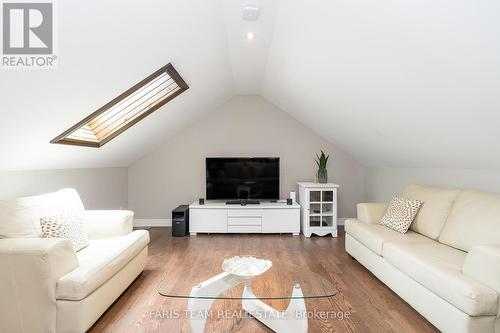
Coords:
pixel 245 126
pixel 103 188
pixel 382 183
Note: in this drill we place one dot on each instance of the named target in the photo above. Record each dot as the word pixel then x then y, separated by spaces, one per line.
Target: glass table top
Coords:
pixel 281 281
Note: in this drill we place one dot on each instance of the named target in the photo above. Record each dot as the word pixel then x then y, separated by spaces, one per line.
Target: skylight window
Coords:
pixel 125 110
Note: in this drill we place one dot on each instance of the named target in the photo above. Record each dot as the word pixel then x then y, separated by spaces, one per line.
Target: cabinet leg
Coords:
pixel 295 234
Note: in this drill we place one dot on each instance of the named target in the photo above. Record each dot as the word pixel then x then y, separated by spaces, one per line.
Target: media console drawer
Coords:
pixel 240 212
pixel 244 220
pixel 244 229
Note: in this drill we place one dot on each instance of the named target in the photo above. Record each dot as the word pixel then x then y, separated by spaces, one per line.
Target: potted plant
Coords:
pixel 321 161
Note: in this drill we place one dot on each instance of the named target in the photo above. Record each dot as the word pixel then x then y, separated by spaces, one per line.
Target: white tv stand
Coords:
pixel 266 217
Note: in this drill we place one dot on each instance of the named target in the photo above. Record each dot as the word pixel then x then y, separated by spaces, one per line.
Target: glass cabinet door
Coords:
pixel 321 208
pixel 315 208
pixel 314 221
pixel 327 221
pixel 327 208
pixel 327 196
pixel 315 196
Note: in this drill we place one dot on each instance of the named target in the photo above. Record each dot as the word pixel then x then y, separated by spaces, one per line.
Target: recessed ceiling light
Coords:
pixel 250 36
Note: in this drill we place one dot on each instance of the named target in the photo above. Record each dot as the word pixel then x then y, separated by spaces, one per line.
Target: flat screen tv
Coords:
pixel 243 178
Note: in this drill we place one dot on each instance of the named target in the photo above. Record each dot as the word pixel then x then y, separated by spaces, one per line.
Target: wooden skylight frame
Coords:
pixel 126 110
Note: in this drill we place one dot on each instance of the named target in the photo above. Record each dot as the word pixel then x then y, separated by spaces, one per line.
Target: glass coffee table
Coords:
pixel 203 284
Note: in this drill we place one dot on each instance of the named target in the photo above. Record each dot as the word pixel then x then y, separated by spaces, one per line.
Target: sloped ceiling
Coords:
pixel 105 47
pixel 395 83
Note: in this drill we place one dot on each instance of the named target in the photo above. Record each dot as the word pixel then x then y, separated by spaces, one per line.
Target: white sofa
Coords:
pixel 44 285
pixel 447 266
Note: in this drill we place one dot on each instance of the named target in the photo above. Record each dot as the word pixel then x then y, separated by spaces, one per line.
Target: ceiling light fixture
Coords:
pixel 250 36
pixel 250 13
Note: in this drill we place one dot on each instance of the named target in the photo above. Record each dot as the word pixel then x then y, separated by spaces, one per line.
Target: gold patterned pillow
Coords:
pixel 400 214
pixel 67 225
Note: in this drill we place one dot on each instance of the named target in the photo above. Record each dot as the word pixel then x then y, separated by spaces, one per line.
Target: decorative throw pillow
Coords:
pixel 400 214
pixel 67 225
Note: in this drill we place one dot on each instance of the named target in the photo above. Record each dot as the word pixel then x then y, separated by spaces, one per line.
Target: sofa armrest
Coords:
pixel 108 223
pixel 371 212
pixel 30 268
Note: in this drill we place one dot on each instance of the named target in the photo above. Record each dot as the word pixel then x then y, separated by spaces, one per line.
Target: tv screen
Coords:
pixel 243 178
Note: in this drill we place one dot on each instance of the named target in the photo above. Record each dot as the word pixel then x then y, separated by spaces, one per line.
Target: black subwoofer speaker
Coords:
pixel 180 221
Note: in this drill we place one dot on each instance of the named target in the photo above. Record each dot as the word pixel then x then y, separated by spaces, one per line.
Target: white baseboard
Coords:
pixel 153 223
pixel 168 222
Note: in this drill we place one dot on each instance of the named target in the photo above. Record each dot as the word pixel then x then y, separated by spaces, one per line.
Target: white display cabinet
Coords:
pixel 318 208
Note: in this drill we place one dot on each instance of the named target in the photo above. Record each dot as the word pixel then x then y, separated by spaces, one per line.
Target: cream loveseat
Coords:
pixel 447 266
pixel 44 285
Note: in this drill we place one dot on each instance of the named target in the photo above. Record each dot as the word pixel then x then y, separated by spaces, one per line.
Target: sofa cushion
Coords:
pixel 99 261
pixel 474 220
pixel 374 236
pixel 438 268
pixel 436 207
pixel 20 218
pixel 482 263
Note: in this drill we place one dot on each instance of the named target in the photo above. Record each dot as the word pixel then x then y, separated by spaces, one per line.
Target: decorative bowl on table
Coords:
pixel 246 266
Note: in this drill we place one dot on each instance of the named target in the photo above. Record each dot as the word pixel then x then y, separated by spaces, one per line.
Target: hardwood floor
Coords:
pixel 369 305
